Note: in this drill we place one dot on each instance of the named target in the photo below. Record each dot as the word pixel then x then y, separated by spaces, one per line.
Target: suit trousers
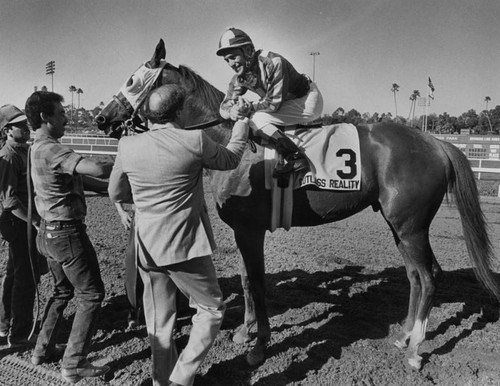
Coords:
pixel 195 278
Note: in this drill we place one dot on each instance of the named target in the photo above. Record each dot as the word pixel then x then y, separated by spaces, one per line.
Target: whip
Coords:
pixel 31 253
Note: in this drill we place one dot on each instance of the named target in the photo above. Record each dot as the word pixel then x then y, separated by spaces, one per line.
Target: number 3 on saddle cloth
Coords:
pixel 335 164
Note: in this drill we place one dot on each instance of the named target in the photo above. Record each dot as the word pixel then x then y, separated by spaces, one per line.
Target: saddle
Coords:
pixel 332 153
pixel 291 159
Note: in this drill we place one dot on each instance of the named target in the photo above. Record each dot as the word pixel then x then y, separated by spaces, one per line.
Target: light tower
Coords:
pixel 314 54
pixel 50 69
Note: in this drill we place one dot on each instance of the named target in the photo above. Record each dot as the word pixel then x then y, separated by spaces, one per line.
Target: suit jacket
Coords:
pixel 162 172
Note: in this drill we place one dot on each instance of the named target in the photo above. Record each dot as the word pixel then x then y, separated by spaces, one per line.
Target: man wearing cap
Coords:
pixel 59 175
pixel 17 292
pixel 286 96
pixel 162 171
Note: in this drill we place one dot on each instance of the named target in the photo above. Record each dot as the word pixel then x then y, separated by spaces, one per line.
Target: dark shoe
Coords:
pixel 85 370
pixel 293 165
pixel 283 145
pixel 56 353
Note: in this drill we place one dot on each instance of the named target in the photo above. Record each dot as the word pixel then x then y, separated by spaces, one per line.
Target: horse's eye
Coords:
pixel 133 84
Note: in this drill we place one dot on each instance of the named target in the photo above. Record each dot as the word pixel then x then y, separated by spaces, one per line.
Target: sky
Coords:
pixel 364 47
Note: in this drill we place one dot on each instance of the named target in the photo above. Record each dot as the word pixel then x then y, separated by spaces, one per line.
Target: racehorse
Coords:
pixel 405 175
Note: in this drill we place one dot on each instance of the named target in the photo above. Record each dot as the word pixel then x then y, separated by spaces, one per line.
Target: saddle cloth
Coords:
pixel 335 161
pixel 333 154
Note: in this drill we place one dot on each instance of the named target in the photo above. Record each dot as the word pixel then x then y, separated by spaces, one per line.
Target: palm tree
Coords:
pixel 395 89
pixel 79 91
pixel 487 99
pixel 413 99
pixel 72 89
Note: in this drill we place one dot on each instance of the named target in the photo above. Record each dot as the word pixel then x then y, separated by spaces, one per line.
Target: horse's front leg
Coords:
pixel 243 334
pixel 250 242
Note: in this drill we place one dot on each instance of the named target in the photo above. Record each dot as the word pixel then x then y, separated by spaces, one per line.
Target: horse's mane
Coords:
pixel 202 90
pixel 206 99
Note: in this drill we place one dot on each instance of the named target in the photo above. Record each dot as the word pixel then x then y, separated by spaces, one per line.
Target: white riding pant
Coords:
pixel 292 112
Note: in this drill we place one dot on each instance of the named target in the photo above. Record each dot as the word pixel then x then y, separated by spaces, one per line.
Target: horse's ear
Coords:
pixel 159 54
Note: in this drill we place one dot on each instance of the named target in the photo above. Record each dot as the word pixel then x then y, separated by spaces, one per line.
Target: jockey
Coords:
pixel 286 97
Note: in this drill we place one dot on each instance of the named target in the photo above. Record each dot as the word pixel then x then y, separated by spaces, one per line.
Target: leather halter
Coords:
pixel 124 103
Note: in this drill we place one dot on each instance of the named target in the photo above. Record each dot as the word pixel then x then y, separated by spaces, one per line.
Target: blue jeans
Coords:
pixel 17 291
pixel 75 269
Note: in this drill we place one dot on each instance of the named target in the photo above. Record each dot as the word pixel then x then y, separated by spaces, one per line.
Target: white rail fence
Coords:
pixel 485 169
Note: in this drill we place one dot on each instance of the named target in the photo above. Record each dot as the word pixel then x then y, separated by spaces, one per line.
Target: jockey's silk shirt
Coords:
pixel 59 194
pixel 272 78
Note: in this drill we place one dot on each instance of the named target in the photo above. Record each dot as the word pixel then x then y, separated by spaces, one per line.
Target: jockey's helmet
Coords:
pixel 233 38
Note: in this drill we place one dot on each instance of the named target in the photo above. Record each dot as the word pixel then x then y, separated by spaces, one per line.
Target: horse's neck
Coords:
pixel 203 105
pixel 221 133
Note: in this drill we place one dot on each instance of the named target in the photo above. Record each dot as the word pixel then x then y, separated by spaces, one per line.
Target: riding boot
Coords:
pixel 294 158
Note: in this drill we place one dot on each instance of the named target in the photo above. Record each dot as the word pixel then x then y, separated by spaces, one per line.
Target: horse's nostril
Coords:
pixel 100 120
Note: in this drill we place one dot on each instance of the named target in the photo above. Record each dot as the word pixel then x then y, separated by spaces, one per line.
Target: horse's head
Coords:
pixel 122 113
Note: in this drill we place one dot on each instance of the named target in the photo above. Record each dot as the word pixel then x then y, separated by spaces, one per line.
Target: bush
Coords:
pixel 488 188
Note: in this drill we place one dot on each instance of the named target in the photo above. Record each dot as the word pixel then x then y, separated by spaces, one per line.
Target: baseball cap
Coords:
pixel 10 114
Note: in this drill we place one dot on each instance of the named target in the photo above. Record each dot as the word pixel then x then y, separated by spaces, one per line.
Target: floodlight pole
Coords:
pixel 50 69
pixel 314 54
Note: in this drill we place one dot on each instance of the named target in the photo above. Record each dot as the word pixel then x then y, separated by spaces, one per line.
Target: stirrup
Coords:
pixel 292 166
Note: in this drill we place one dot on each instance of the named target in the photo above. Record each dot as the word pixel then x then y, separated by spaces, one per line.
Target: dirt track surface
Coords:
pixel 336 295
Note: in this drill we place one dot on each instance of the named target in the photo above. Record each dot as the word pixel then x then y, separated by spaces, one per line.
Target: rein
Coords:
pixel 132 123
pixel 205 125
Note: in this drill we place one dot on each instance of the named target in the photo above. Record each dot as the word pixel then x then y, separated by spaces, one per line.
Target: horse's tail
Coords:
pixel 463 186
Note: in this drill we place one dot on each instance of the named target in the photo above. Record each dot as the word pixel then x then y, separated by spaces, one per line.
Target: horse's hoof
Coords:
pixel 255 357
pixel 241 337
pixel 415 362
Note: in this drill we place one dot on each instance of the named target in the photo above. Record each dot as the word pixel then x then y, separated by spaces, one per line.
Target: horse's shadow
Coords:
pixel 357 305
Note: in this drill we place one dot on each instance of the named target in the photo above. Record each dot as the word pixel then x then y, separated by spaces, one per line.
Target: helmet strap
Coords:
pixel 249 55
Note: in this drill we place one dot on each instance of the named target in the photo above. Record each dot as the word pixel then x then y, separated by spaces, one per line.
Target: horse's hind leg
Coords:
pixel 423 272
pixel 415 289
pixel 413 303
pixel 250 242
